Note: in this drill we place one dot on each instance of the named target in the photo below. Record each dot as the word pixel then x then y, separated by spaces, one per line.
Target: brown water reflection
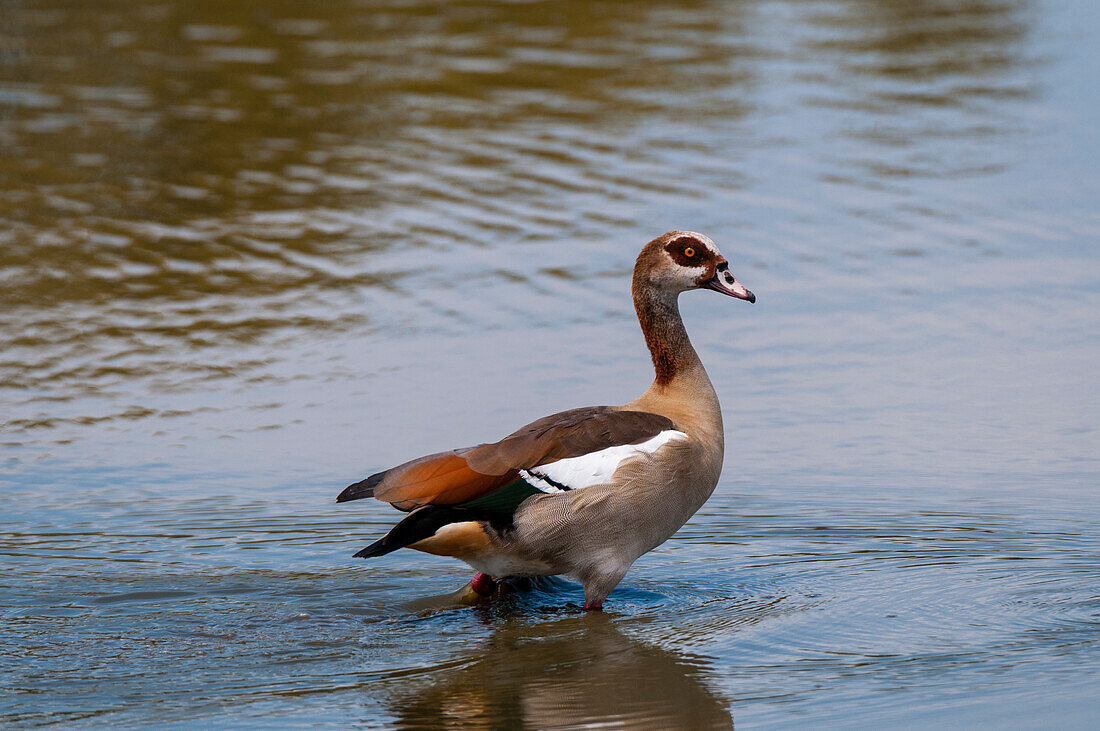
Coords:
pixel 569 673
pixel 221 173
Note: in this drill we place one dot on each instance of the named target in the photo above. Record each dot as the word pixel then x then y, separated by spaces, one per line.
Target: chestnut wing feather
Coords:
pixel 449 478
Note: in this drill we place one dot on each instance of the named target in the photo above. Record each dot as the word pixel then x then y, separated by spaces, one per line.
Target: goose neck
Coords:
pixel 665 335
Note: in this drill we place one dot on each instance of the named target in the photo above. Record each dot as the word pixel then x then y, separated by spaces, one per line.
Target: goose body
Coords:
pixel 586 492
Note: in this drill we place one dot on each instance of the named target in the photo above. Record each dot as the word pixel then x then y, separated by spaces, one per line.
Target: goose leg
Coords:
pixel 598 586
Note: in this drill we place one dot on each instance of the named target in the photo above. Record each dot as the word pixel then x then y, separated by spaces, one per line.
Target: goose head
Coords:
pixel 679 261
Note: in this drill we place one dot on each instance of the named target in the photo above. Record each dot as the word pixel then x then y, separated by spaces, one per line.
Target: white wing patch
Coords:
pixel 594 468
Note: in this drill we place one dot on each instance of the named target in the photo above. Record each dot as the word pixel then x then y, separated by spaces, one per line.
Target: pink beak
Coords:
pixel 723 281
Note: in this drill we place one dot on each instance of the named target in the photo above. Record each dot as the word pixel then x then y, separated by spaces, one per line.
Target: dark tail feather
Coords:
pixel 361 489
pixel 379 548
pixel 418 525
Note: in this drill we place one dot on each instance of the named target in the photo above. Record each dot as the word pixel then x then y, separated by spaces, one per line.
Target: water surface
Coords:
pixel 253 251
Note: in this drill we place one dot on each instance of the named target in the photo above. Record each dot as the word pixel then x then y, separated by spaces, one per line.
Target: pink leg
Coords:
pixel 483 584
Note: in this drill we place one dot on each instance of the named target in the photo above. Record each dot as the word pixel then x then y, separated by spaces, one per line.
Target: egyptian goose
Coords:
pixel 586 492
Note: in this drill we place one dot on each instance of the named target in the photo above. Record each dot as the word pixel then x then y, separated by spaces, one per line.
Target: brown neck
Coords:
pixel 659 316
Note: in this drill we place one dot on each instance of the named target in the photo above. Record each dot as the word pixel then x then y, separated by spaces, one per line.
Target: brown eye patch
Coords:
pixel 687 251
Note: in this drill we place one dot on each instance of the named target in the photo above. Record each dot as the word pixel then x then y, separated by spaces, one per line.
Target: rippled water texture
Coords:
pixel 253 251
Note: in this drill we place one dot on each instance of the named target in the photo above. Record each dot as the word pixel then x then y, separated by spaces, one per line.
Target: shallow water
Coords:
pixel 253 251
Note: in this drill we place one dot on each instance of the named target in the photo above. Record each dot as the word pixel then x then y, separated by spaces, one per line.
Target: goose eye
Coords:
pixel 689 252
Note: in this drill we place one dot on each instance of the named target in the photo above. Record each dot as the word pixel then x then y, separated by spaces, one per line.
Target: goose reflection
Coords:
pixel 578 671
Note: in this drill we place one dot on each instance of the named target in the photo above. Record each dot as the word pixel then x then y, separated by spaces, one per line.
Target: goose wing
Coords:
pixel 582 438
